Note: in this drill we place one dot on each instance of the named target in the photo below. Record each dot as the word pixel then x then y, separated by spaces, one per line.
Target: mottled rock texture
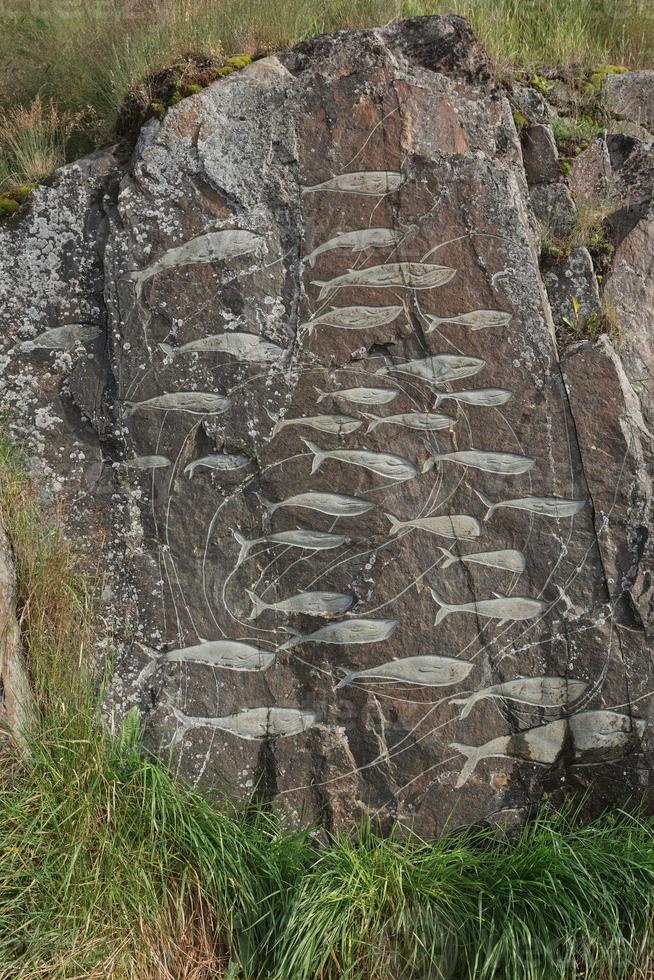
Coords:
pixel 308 384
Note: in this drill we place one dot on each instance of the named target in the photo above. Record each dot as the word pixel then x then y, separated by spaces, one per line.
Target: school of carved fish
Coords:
pixel 586 731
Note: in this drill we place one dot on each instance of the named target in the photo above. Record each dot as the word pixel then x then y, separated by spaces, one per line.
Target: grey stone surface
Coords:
pixel 540 155
pixel 572 282
pixel 631 96
pixel 554 209
pixel 16 702
pixel 343 224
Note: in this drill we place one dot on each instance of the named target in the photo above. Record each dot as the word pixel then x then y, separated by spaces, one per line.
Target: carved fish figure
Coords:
pixel 507 560
pixel 476 320
pixel 306 539
pixel 357 241
pixel 543 506
pixel 538 692
pixel 354 317
pixel 254 723
pixel 349 631
pixel 245 346
pixel 215 246
pixel 308 603
pixel 231 654
pixel 194 402
pixel 424 422
pixel 145 462
pixel 412 275
pixel 486 397
pixel 373 183
pixel 61 338
pixel 384 464
pixel 608 731
pixel 338 424
pixel 447 525
pixel 334 504
pixel 508 464
pixel 504 608
pixel 362 396
pixel 222 462
pixel 430 671
pixel 439 368
pixel 542 745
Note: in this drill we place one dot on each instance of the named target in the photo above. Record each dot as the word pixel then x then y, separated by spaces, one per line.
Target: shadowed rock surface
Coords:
pixel 397 604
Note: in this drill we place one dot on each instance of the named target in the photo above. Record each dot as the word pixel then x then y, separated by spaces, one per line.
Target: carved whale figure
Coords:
pixel 543 506
pixel 307 603
pixel 421 421
pixel 193 402
pixel 362 396
pixel 412 275
pixel 476 320
pixel 145 462
pixel 373 183
pixel 253 723
pixel 354 317
pixel 300 538
pixel 338 424
pixel 349 631
pixel 429 671
pixel 508 560
pixel 439 368
pixel 504 608
pixel 61 338
pixel 357 241
pixel 483 397
pixel 384 464
pixel 507 464
pixel 245 346
pixel 221 462
pixel 231 654
pixel 333 504
pixel 542 745
pixel 539 692
pixel 447 525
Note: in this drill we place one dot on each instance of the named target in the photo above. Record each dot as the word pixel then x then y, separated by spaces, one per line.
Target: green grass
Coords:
pixel 81 57
pixel 109 868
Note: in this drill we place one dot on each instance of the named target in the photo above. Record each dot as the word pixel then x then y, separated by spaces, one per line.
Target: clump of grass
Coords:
pixel 589 230
pixel 33 141
pixel 55 608
pixel 558 901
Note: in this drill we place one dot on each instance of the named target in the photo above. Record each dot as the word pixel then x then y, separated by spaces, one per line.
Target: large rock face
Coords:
pixel 291 370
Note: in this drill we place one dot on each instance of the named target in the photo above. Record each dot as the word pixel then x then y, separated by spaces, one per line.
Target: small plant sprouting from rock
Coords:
pixel 578 326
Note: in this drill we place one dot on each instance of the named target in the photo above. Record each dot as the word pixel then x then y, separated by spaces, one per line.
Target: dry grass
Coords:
pixel 33 141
